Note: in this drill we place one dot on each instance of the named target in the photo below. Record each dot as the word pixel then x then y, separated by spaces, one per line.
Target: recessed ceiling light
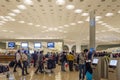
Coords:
pixel 4 30
pixel 88 19
pixel 50 29
pixel 55 29
pixel 80 21
pixel 30 23
pixel 104 24
pixel 2 22
pixel 44 26
pixel 85 14
pixel 28 2
pixel 66 25
pixel 108 26
pixel 12 19
pixel 78 10
pixel 60 27
pixel 8 17
pixel 60 2
pixel 21 21
pixel 100 22
pixel 16 11
pixel 22 7
pixel 11 31
pixel 11 14
pixel 98 17
pixel 37 25
pixel 109 14
pixel 72 23
pixel 70 7
pixel 2 17
pixel 119 11
pixel 5 20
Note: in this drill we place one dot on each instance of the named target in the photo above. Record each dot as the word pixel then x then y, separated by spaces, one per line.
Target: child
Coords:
pixel 88 71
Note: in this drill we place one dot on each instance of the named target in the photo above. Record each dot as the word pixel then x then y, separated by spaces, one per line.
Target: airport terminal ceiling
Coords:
pixel 60 19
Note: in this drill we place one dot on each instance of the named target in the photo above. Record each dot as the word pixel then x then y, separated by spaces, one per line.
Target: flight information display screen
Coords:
pixel 37 45
pixel 113 62
pixel 24 45
pixel 11 44
pixel 95 61
pixel 50 45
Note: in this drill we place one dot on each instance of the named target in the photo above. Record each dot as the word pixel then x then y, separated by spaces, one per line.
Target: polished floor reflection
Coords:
pixel 57 75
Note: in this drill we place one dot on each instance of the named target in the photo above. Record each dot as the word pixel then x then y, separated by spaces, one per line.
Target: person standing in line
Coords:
pixel 40 62
pixel 82 66
pixel 35 57
pixel 25 63
pixel 18 58
pixel 63 60
pixel 70 59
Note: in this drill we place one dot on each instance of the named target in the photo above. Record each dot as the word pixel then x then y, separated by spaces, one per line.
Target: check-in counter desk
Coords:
pixel 96 66
pixel 6 58
pixel 114 69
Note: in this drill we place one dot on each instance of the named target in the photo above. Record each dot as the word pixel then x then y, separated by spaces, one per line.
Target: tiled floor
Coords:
pixel 57 75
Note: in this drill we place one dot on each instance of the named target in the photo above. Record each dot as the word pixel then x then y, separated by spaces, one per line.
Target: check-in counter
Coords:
pixel 96 66
pixel 114 69
pixel 7 58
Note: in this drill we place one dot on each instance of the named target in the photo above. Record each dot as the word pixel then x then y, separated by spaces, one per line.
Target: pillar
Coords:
pixel 78 47
pixel 92 30
pixel 70 47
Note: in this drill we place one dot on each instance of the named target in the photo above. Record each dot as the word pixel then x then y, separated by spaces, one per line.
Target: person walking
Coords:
pixel 40 62
pixel 18 58
pixel 25 63
pixel 82 59
pixel 63 60
pixel 35 57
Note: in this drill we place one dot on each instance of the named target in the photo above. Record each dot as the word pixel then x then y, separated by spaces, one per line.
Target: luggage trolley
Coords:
pixel 4 69
pixel 48 66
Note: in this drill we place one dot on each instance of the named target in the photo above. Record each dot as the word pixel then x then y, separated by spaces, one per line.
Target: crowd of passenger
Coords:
pixel 47 62
pixel 111 55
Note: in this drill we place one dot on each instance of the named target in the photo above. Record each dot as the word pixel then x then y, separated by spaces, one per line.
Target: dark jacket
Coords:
pixel 63 58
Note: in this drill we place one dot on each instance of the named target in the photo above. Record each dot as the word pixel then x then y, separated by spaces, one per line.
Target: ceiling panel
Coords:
pixel 46 19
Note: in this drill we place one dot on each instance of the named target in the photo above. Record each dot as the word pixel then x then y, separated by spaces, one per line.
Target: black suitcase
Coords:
pixel 76 67
pixel 11 64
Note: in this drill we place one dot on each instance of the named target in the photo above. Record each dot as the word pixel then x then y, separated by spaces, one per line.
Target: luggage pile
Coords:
pixel 4 68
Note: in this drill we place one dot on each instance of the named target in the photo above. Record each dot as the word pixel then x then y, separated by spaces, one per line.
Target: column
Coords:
pixel 78 47
pixel 70 47
pixel 92 30
pixel 6 45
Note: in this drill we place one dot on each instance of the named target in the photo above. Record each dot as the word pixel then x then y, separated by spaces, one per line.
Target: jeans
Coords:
pixel 17 64
pixel 63 66
pixel 24 67
pixel 82 71
pixel 40 67
pixel 70 65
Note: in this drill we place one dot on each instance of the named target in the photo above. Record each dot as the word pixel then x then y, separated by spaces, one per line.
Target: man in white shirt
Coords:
pixel 25 63
pixel 17 60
